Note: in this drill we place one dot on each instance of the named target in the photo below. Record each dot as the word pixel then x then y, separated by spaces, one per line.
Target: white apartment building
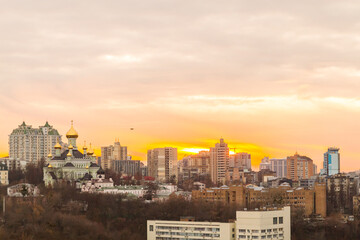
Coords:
pixel 166 230
pixel 162 163
pixel 219 161
pixel 278 165
pixel 32 144
pixel 267 224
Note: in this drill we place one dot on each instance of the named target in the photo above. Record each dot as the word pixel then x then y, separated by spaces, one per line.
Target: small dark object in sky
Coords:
pixel 131 128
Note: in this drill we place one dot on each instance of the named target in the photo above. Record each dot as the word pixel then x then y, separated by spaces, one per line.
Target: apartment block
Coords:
pixel 162 163
pixel 219 161
pixel 31 144
pixel 313 201
pixel 112 153
pixel 259 224
pixel 299 167
pixel 126 167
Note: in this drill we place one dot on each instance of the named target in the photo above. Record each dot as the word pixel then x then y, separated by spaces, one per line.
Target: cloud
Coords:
pixel 254 71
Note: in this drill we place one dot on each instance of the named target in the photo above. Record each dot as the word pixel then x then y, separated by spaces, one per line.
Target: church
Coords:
pixel 71 165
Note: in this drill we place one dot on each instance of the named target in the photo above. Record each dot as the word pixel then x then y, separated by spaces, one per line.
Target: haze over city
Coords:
pixel 270 79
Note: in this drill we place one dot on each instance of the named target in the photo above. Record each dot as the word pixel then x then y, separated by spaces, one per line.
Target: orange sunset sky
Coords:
pixel 270 77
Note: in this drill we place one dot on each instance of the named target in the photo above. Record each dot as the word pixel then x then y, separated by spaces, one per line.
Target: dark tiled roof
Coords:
pixel 69 164
pixel 100 171
pixel 87 176
pixel 94 165
pixel 76 154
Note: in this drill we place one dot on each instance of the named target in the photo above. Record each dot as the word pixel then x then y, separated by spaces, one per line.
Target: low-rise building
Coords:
pixel 4 174
pixel 264 224
pixel 313 201
pixel 23 190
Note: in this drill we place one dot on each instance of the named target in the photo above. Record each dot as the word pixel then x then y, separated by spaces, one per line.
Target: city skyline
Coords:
pixel 184 148
pixel 271 79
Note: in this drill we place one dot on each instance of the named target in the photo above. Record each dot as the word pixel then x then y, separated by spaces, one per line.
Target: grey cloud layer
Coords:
pixel 241 48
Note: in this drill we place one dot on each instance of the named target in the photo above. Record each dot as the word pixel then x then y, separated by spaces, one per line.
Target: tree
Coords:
pixel 151 189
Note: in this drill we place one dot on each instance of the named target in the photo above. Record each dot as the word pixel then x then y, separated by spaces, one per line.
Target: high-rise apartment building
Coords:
pixel 162 163
pixel 219 161
pixel 32 144
pixel 240 160
pixel 331 164
pixel 299 167
pixel 200 161
pixel 278 165
pixel 265 164
pixel 111 153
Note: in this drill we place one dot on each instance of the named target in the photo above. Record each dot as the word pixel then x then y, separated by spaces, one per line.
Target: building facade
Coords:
pixel 4 174
pixel 331 164
pixel 70 165
pixel 112 153
pixel 299 167
pixel 240 160
pixel 200 161
pixel 313 201
pixel 126 167
pixel 32 144
pixel 260 224
pixel 265 164
pixel 278 165
pixel 219 161
pixel 341 189
pixel 162 163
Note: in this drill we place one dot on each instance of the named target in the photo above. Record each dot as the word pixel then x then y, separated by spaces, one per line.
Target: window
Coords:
pixel 281 220
pixel 274 220
pixel 151 228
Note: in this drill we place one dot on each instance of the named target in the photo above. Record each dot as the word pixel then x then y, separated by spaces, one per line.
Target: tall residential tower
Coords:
pixel 219 161
pixel 162 163
pixel 32 144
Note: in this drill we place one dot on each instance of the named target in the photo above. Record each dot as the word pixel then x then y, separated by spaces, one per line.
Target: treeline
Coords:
pixel 97 216
pixel 65 213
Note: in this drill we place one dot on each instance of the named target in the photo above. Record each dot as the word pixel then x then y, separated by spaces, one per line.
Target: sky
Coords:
pixel 270 77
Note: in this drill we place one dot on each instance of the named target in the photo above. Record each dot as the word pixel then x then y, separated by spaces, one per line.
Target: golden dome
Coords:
pixel 87 167
pixel 72 133
pixel 69 154
pixel 57 146
pixel 91 151
pixel 49 166
pixel 94 155
pixel 49 156
pixel 71 146
pixel 85 147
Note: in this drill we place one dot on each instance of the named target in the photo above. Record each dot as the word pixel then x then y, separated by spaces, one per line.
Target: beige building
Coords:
pixel 162 163
pixel 265 224
pixel 313 201
pixel 32 144
pixel 299 167
pixel 4 174
pixel 219 161
pixel 240 160
pixel 112 153
pixel 201 161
